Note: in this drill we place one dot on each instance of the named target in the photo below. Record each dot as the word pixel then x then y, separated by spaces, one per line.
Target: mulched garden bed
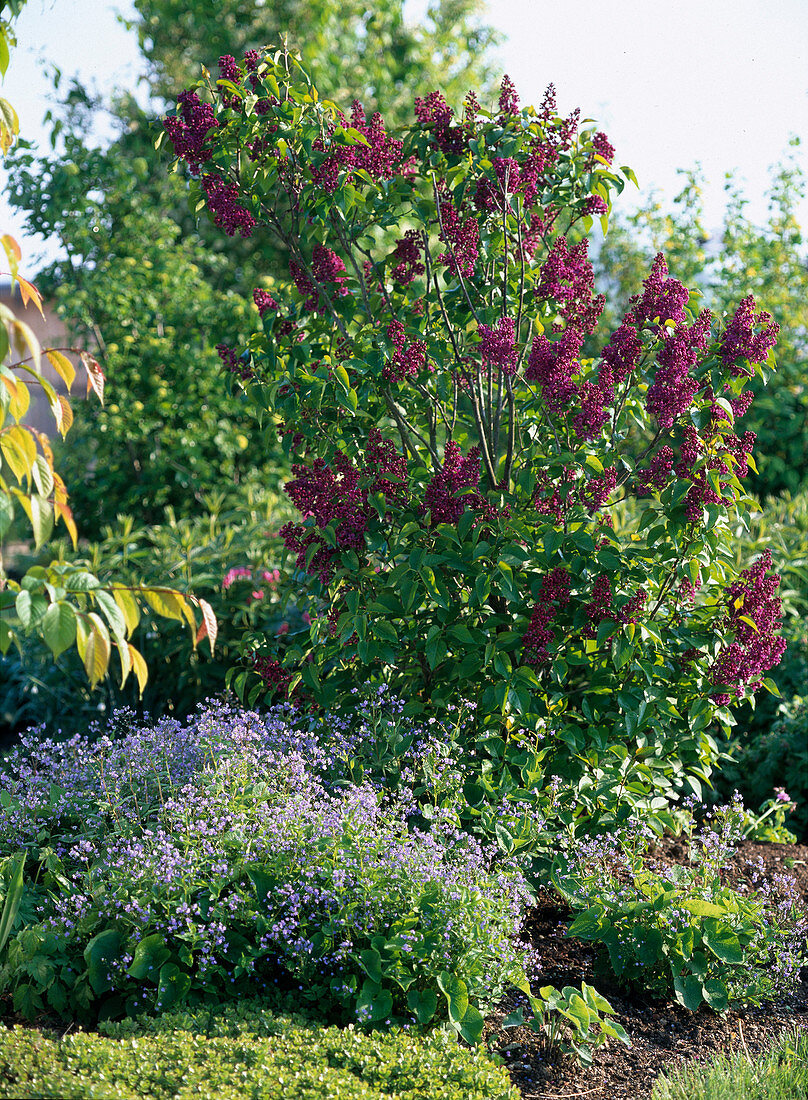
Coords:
pixel 662 1033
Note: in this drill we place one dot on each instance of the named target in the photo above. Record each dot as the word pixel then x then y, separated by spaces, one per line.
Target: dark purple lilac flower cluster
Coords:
pixel 228 213
pixel 406 258
pixel 621 355
pixel 554 595
pixel 508 97
pixel 409 357
pixel 264 301
pixel 674 387
pixel 461 237
pixel 235 364
pixel 326 267
pixel 754 612
pixel 381 157
pixel 337 495
pixel 234 850
pixel 498 345
pixel 189 129
pixel 603 147
pixel 568 280
pixel 434 113
pixel 742 341
pixel 441 498
pixel 663 298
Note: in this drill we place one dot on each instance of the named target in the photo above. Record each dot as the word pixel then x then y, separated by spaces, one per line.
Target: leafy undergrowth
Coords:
pixel 243 1052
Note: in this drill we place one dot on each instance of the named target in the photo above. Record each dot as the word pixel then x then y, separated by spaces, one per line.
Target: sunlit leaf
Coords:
pixel 95 376
pixel 62 365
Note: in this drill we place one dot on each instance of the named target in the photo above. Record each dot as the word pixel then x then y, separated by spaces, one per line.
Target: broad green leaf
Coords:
pixel 371 962
pixel 99 954
pixel 701 908
pixel 456 994
pixel 688 991
pixel 374 1003
pixel 41 517
pixel 723 943
pixel 172 987
pixel 59 627
pixel 471 1027
pixel 149 956
pixel 423 1004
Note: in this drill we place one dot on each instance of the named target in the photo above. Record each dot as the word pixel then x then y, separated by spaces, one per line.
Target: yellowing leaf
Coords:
pixel 19 450
pixel 65 422
pixel 24 338
pixel 62 365
pixel 9 125
pixel 12 250
pixel 30 293
pixel 167 603
pixel 208 628
pixel 97 650
pixel 140 667
pixel 126 662
pixel 20 401
pixel 95 376
pixel 62 511
pixel 129 608
pixel 43 475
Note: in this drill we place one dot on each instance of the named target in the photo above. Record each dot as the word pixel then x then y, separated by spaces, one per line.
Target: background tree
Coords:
pixel 63 604
pixel 152 292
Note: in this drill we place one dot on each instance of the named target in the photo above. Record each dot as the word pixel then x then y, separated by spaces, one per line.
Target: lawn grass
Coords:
pixel 780 1074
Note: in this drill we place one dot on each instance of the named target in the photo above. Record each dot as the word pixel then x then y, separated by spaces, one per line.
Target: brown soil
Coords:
pixel 662 1033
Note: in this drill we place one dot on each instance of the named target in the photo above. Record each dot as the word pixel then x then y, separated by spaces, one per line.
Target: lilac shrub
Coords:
pixel 460 444
pixel 233 855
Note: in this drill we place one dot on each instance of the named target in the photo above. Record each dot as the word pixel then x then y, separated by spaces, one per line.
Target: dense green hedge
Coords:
pixel 239 1054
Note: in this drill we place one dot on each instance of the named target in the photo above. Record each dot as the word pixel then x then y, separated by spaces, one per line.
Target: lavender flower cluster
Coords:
pixel 238 846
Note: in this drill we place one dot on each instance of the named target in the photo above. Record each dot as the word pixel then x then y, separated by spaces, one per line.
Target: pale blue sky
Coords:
pixel 721 82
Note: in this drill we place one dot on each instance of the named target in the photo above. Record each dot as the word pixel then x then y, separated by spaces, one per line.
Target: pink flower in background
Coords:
pixel 306 618
pixel 233 575
pixel 283 629
pixel 271 577
pixel 256 594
